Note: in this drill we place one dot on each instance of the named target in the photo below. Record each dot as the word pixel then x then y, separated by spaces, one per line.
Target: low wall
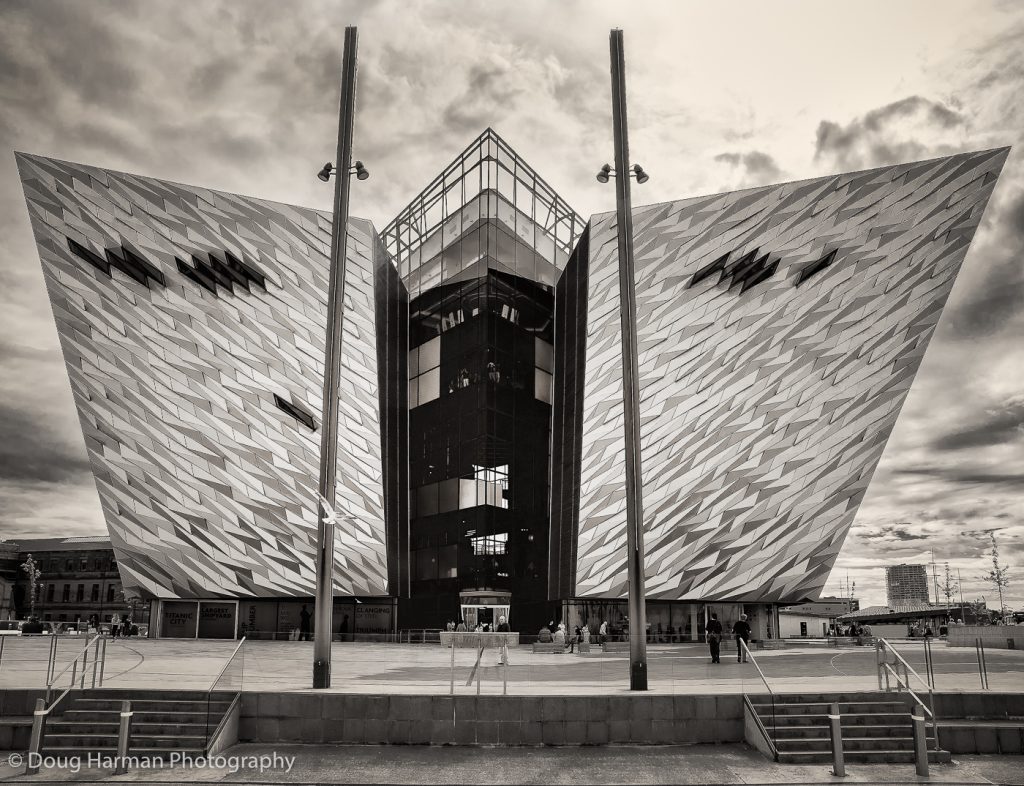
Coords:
pixel 16 706
pixel 992 636
pixel 490 720
pixel 983 705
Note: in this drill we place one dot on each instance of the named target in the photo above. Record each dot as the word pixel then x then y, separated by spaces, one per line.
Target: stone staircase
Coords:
pixel 876 728
pixel 164 722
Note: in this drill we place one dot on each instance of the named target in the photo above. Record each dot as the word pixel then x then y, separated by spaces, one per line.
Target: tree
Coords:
pixel 31 568
pixel 949 586
pixel 999 576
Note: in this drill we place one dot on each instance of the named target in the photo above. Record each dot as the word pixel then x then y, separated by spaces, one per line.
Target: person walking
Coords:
pixel 741 630
pixel 304 624
pixel 713 634
pixel 577 637
pixel 602 632
pixel 503 627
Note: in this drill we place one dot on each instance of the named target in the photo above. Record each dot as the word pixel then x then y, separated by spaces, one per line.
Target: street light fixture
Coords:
pixel 606 172
pixel 357 169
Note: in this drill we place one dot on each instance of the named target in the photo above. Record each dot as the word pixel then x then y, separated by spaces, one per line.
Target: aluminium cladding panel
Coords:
pixel 764 413
pixel 207 485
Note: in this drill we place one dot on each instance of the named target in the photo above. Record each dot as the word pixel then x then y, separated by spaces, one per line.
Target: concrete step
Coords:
pixel 822 731
pixel 170 694
pixel 153 753
pixel 140 716
pixel 98 741
pixel 148 705
pixel 863 757
pixel 850 744
pixel 89 727
pixel 876 719
pixel 823 708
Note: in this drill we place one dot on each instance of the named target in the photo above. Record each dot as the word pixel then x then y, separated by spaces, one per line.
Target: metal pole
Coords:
pixel 984 663
pixel 630 374
pixel 52 665
pixel 36 740
pixel 103 662
pixel 835 730
pixel 332 369
pixel 2 639
pixel 124 732
pixel 920 741
pixel 451 688
pixel 977 651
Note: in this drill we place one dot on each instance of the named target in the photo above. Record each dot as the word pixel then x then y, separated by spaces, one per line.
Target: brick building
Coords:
pixel 78 578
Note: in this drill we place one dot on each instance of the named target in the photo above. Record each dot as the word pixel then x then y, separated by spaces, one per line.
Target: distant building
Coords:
pixel 8 573
pixel 906 584
pixel 831 606
pixel 78 578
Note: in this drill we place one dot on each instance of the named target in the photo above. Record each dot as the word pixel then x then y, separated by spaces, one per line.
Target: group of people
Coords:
pixel 559 635
pixel 501 626
pixel 740 629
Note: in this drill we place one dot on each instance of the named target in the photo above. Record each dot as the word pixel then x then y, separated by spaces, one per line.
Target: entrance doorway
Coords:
pixel 480 606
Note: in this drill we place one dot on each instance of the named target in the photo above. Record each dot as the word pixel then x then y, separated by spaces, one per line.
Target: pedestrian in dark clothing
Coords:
pixel 713 634
pixel 741 630
pixel 304 624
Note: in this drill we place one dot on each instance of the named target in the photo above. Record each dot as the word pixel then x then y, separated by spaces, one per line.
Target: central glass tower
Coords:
pixel 479 252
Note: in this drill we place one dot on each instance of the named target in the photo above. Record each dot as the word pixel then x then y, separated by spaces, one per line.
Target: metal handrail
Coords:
pixel 881 646
pixel 226 664
pixel 62 672
pixel 771 693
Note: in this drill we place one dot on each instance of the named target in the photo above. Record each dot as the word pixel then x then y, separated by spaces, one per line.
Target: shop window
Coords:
pixel 542 385
pixel 544 355
pixel 448 562
pixel 490 544
pixel 425 373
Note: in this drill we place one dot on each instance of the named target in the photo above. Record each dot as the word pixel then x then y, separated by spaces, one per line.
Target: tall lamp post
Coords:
pixel 630 363
pixel 326 517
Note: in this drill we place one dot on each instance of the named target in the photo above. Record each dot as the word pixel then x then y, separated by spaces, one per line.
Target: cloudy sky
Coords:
pixel 243 96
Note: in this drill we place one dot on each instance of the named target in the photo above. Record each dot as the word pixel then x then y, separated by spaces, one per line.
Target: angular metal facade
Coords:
pixel 770 380
pixel 192 324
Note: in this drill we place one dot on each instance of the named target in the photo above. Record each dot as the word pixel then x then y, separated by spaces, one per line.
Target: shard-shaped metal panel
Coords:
pixel 765 404
pixel 212 305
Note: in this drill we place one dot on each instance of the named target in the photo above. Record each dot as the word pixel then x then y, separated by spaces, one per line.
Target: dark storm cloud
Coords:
pixel 759 168
pixel 997 427
pixel 899 531
pixel 965 475
pixel 998 295
pixel 874 139
pixel 30 449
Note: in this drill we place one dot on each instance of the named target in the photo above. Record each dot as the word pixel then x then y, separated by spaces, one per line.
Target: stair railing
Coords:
pixel 887 670
pixel 229 678
pixel 773 737
pixel 44 707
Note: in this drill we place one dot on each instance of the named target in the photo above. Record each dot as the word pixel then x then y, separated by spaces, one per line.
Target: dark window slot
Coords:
pixel 89 256
pixel 195 274
pixel 752 266
pixel 757 278
pixel 248 271
pixel 708 270
pixel 217 272
pixel 816 267
pixel 296 412
pixel 230 272
pixel 149 270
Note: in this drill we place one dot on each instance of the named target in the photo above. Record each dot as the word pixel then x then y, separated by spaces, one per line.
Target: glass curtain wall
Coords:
pixel 479 252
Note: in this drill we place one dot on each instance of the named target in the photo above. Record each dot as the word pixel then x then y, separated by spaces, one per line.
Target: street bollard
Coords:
pixel 103 661
pixel 836 734
pixel 451 689
pixel 35 743
pixel 504 669
pixel 123 736
pixel 920 741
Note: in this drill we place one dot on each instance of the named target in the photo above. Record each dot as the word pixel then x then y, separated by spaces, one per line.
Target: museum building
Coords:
pixel 481 452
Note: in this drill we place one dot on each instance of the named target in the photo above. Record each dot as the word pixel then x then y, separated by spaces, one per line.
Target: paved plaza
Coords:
pixel 426 668
pixel 724 764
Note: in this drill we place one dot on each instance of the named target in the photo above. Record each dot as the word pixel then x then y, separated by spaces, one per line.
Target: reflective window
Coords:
pixel 542 386
pixel 490 544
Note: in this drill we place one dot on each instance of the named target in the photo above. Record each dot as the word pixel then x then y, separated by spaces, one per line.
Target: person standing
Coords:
pixel 741 630
pixel 603 632
pixel 713 634
pixel 304 624
pixel 503 627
